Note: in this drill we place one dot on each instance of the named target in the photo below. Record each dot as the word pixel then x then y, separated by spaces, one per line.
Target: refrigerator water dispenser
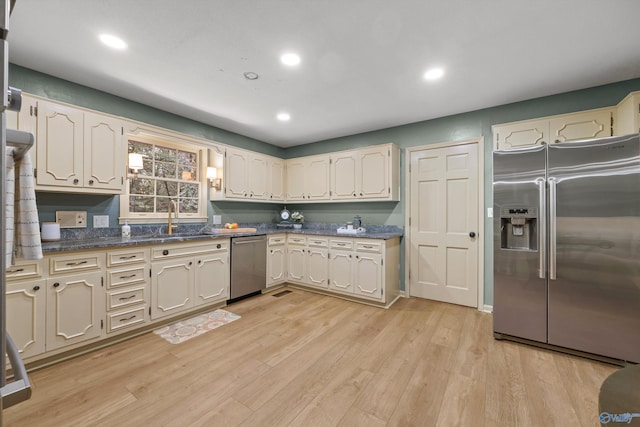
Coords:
pixel 519 230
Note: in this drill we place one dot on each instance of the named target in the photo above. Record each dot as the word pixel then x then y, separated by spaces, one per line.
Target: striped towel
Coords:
pixel 22 228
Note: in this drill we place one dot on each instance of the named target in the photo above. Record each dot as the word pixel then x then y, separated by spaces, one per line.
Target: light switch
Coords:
pixel 489 212
pixel 100 221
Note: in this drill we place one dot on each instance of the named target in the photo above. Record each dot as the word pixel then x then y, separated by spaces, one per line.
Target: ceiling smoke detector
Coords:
pixel 250 75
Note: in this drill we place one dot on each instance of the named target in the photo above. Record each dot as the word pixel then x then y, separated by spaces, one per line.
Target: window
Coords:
pixel 172 172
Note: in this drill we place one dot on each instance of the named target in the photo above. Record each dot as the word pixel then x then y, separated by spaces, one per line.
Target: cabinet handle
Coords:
pixel 77 263
pixel 126 298
pixel 341 244
pixel 218 246
pixel 55 285
pixel 128 257
pixel 36 288
pixel 355 195
pixel 199 261
pixel 90 182
pixel 17 270
pixel 271 250
pixel 190 262
pixel 349 255
pixel 128 277
pixel 357 257
pixel 75 181
pixel 367 246
pixel 128 318
pixel 165 252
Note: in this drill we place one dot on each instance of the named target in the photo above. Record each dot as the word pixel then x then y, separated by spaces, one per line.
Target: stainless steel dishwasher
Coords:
pixel 248 266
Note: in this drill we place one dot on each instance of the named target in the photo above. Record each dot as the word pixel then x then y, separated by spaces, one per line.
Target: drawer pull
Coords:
pixel 17 270
pixel 126 298
pixel 128 318
pixel 317 242
pixel 341 244
pixel 367 246
pixel 77 263
pixel 128 257
pixel 165 252
pixel 218 246
pixel 128 277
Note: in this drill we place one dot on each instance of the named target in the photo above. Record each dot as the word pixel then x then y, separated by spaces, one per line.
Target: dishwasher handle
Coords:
pixel 246 242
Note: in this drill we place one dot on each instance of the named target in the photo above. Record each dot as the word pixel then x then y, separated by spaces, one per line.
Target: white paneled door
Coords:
pixel 444 223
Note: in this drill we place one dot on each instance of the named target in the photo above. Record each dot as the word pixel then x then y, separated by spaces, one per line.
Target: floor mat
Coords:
pixel 186 329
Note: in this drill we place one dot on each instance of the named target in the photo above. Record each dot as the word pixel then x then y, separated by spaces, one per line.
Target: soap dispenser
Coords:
pixel 357 222
pixel 126 229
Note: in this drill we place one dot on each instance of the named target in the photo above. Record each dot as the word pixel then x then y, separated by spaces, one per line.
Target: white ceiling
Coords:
pixel 362 60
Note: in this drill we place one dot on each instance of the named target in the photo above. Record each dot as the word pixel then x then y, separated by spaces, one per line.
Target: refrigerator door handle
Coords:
pixel 20 389
pixel 552 228
pixel 542 229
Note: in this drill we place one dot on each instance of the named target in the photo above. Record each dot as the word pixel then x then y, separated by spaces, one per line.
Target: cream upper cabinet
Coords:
pixel 258 176
pixel 104 153
pixel 276 171
pixel 366 174
pixel 308 179
pixel 247 175
pixel 78 151
pixel 60 146
pixel 549 130
pixel 628 115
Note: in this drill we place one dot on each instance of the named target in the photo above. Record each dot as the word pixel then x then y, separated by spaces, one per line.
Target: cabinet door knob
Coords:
pixel 355 195
pixel 55 285
pixel 90 182
pixel 165 252
pixel 472 234
pixel 199 261
pixel 75 181
pixel 36 288
pixel 190 262
pixel 218 246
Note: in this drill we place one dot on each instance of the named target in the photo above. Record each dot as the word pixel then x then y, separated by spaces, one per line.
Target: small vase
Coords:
pixel 297 226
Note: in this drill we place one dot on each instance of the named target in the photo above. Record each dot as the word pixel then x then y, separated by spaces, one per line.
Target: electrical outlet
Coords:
pixel 217 219
pixel 100 221
pixel 72 219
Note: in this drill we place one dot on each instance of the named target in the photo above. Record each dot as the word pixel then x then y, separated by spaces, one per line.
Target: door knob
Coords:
pixel 472 234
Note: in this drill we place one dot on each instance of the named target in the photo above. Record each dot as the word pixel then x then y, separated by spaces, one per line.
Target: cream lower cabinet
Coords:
pixel 176 268
pixel 549 130
pixel 276 260
pixel 128 290
pixel 307 260
pixel 75 298
pixel 26 299
pixel 365 268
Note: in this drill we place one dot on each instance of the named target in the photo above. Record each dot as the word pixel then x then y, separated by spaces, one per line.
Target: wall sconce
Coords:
pixel 135 162
pixel 212 175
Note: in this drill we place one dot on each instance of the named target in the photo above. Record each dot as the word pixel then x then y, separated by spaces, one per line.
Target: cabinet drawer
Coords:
pixel 126 257
pixel 369 246
pixel 296 240
pixel 277 240
pixel 122 298
pixel 119 278
pixel 174 251
pixel 125 319
pixel 341 244
pixel 75 263
pixel 318 242
pixel 24 270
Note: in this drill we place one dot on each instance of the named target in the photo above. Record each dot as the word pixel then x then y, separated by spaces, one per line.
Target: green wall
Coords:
pixel 452 128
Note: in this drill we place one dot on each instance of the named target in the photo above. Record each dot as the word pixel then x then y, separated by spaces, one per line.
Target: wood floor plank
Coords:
pixel 305 359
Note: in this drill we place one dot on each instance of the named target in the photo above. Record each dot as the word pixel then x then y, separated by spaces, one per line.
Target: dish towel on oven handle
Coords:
pixel 22 227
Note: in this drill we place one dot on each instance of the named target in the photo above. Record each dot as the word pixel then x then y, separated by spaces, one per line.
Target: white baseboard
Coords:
pixel 487 308
pixel 403 294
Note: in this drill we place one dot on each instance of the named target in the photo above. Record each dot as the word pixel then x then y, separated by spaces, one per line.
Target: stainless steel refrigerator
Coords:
pixel 567 246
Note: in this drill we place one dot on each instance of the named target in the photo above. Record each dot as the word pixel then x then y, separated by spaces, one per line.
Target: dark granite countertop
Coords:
pixel 88 241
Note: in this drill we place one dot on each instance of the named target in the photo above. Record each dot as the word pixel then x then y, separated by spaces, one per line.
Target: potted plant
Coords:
pixel 297 219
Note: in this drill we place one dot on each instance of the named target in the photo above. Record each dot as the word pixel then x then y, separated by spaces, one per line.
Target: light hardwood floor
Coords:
pixel 309 360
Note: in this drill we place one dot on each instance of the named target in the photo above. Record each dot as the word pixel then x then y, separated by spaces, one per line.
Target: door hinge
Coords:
pixel 35 172
pixel 101 323
pixel 389 152
pixel 149 272
pixel 382 291
pixel 409 275
pixel 149 311
pixel 122 130
pixel 381 262
pixel 102 282
pixel 33 111
pixel 389 190
pixel 330 160
pixel 122 180
pixel 409 221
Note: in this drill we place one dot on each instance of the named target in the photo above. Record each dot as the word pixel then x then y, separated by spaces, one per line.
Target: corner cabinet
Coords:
pixel 78 151
pixel 548 130
pixel 628 115
pixel 252 176
pixel 308 179
pixel 276 260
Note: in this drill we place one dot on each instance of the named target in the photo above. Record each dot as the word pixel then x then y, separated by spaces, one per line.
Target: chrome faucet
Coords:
pixel 172 207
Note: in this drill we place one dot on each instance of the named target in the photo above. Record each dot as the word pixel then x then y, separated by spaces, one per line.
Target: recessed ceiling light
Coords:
pixel 290 59
pixel 113 41
pixel 284 117
pixel 250 75
pixel 434 73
